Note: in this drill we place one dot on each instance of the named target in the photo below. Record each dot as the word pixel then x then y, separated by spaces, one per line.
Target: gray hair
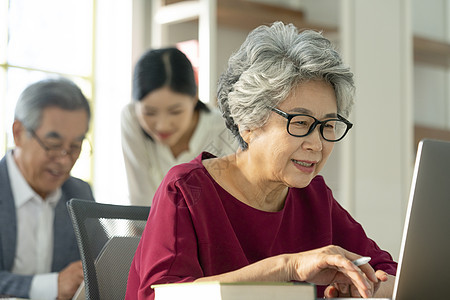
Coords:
pixel 59 92
pixel 268 65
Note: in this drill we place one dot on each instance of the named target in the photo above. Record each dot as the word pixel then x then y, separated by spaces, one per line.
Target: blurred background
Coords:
pixel 399 51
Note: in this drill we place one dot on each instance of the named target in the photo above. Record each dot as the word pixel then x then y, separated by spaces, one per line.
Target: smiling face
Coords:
pixel 293 161
pixel 165 115
pixel 59 128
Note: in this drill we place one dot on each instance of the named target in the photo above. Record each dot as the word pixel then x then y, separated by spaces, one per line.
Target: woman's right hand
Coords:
pixel 323 266
pixel 331 264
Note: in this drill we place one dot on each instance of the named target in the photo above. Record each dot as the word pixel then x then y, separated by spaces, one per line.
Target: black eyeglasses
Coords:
pixel 57 151
pixel 300 125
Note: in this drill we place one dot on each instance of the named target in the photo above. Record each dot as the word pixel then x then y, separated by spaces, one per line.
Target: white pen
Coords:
pixel 361 261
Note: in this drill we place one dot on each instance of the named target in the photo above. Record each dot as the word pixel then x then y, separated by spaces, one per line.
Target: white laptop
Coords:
pixel 424 264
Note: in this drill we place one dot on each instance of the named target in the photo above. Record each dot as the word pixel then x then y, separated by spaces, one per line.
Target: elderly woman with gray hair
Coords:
pixel 264 213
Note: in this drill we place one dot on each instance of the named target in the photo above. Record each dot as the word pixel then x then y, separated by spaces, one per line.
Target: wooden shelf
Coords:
pixel 422 132
pixel 247 15
pixel 431 52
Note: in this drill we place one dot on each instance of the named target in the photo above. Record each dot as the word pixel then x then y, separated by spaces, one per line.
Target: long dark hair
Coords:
pixel 169 67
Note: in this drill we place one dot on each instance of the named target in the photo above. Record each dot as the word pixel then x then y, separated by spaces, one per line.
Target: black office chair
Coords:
pixel 107 237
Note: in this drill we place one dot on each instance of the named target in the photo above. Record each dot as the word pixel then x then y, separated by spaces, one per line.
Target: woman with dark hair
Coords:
pixel 166 124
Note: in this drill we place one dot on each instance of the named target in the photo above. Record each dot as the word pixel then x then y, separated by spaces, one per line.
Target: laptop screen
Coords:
pixel 424 267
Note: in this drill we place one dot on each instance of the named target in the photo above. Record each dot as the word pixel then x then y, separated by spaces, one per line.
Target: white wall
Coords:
pixel 430 18
pixel 379 155
pixel 431 96
pixel 112 92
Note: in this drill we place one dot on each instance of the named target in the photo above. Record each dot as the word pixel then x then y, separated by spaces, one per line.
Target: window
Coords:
pixel 41 39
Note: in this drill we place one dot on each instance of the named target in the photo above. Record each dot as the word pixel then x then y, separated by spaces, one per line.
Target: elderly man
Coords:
pixel 39 257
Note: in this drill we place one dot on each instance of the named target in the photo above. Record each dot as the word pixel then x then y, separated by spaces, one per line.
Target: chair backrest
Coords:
pixel 107 237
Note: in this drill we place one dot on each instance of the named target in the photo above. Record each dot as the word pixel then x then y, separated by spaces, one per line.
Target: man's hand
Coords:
pixel 69 279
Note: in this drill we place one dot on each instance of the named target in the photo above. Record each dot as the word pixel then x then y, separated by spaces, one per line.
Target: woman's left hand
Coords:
pixel 338 290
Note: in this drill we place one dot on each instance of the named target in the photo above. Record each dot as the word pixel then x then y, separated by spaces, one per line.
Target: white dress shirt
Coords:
pixel 34 251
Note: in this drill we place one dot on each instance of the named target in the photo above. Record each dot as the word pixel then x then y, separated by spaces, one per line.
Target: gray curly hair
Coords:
pixel 268 65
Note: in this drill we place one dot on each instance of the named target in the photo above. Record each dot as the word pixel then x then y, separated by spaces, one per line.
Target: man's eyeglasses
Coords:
pixel 300 125
pixel 58 151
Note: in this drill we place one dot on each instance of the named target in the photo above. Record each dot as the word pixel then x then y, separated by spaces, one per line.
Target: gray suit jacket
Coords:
pixel 65 248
